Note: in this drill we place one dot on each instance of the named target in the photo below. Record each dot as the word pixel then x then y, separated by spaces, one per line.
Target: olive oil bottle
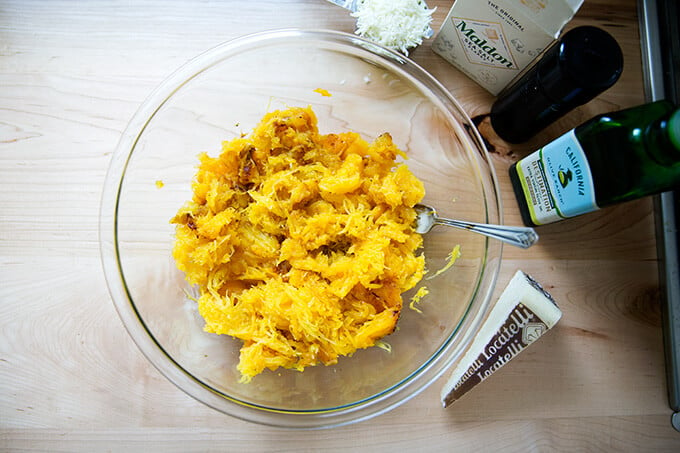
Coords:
pixel 612 158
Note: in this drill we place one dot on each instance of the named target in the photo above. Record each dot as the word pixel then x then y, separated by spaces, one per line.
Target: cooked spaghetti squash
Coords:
pixel 301 244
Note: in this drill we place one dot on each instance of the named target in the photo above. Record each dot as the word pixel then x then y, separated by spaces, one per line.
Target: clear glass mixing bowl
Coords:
pixel 223 93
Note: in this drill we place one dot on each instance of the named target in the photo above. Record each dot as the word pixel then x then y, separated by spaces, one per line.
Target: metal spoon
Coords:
pixel 523 237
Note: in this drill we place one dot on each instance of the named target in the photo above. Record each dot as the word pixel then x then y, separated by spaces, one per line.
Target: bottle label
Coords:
pixel 556 181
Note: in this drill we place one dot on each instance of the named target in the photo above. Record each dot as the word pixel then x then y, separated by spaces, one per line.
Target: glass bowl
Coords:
pixel 223 93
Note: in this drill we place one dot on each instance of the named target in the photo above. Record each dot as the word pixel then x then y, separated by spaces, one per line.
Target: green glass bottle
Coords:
pixel 609 159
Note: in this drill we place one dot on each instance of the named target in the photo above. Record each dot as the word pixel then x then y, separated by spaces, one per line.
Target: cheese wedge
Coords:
pixel 523 313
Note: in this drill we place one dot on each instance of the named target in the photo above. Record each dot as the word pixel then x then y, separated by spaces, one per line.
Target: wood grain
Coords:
pixel 71 379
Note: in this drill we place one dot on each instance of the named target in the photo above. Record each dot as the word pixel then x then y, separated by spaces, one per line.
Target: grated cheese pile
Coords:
pixel 397 24
pixel 300 243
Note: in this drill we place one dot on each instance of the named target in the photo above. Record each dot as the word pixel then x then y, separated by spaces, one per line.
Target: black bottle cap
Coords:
pixel 582 64
pixel 586 62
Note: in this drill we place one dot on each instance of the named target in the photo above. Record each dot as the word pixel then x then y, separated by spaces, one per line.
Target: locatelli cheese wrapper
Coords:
pixel 523 313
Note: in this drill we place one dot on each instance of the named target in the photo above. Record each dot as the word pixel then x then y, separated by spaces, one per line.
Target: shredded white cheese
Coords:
pixel 396 24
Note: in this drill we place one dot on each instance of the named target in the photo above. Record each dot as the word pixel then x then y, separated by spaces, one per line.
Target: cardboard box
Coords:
pixel 492 41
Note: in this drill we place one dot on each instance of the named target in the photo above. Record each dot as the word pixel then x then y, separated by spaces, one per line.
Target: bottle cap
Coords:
pixel 586 61
pixel 582 64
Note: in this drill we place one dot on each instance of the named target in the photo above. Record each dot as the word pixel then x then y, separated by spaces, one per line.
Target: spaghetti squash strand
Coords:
pixel 300 243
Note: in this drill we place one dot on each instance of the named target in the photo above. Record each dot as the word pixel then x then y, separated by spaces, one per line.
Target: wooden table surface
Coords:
pixel 71 76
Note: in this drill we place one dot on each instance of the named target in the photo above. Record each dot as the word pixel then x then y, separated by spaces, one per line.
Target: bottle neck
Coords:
pixel 662 139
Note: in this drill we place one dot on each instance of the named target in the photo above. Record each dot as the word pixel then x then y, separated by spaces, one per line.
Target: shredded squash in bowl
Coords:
pixel 300 244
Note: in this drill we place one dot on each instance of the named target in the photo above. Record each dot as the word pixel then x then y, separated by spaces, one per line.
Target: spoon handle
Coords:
pixel 523 237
